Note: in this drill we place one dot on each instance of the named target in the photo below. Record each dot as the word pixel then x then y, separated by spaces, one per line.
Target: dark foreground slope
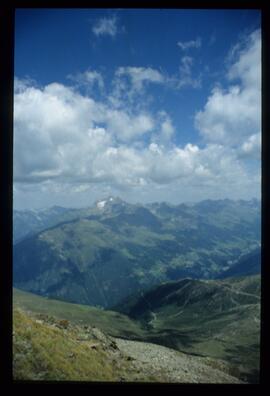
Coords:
pixel 117 248
pixel 216 320
pixel 57 350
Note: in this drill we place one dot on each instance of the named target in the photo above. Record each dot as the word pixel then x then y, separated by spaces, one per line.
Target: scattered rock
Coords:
pixel 113 345
pixel 63 323
pixel 43 317
pixel 93 345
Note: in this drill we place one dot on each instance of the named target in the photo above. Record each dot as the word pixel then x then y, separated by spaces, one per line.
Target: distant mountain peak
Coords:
pixel 110 200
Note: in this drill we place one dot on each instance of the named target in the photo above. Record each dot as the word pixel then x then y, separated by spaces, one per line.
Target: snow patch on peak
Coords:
pixel 101 204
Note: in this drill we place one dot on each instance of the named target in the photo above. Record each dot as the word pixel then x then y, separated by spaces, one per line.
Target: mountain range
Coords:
pixel 105 253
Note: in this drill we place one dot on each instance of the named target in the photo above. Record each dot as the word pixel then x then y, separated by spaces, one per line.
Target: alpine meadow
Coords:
pixel 137 195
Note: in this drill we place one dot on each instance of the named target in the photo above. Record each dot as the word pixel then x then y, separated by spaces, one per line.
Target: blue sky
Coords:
pixel 145 104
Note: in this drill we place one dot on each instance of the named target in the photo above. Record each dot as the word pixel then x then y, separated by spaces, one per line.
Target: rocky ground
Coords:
pixel 175 366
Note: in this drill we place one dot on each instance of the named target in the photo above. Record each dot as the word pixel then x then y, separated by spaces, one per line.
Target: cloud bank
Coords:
pixel 66 140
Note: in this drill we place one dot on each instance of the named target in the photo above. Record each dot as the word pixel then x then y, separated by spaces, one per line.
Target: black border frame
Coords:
pixel 7 29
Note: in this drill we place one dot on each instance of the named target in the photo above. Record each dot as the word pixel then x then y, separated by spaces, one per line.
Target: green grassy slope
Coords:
pixel 56 350
pixel 41 352
pixel 113 323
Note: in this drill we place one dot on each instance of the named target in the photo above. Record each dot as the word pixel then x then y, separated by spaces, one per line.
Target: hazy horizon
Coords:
pixel 134 203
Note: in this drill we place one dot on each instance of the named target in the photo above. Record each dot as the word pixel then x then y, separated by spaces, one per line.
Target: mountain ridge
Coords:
pixel 101 256
pixel 21 230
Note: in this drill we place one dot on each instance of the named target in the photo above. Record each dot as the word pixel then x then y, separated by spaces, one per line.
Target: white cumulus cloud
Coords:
pixel 61 134
pixel 127 127
pixel 89 79
pixel 252 146
pixel 64 137
pixel 232 115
